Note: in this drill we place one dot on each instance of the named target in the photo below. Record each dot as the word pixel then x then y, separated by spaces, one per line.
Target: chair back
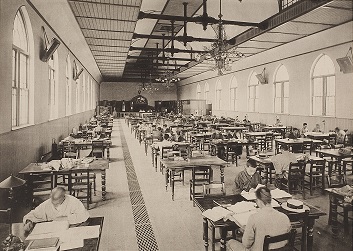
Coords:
pixel 80 185
pixel 336 180
pixel 317 167
pixel 234 147
pixel 201 174
pixel 289 237
pixel 5 215
pixel 296 171
pixel 300 221
pixel 98 148
pixel 307 145
pixel 68 146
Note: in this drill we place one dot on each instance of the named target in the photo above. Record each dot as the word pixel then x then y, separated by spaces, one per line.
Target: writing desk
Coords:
pixel 333 153
pixel 81 143
pixel 88 244
pixel 217 145
pixel 207 203
pixel 97 165
pixel 293 142
pixel 176 165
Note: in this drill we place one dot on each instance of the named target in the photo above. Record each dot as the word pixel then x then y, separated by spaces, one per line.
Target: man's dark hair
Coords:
pixel 263 194
pixel 251 163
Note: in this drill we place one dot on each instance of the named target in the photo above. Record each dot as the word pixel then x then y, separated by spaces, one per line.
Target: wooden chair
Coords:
pixel 337 181
pixel 98 148
pixel 345 163
pixel 294 182
pixel 316 175
pixel 201 175
pixel 41 186
pixel 289 237
pixel 69 150
pixel 307 146
pixel 233 150
pixel 81 185
pixel 299 222
pixel 269 141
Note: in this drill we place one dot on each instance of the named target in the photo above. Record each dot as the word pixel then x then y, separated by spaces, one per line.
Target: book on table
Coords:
pixel 47 244
pixel 48 230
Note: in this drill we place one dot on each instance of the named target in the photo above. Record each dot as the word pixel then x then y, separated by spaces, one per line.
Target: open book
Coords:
pixel 217 213
pixel 48 230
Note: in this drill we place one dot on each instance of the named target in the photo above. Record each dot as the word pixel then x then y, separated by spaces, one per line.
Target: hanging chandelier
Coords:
pixel 220 52
pixel 167 79
pixel 147 86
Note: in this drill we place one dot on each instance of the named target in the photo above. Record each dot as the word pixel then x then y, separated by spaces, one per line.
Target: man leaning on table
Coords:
pixel 59 207
pixel 267 221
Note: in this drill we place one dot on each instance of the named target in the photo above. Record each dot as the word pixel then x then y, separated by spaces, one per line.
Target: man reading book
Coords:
pixel 267 221
pixel 60 206
pixel 247 179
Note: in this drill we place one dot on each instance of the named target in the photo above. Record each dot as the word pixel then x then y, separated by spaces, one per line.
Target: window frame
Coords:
pixel 324 80
pixel 233 95
pixel 254 101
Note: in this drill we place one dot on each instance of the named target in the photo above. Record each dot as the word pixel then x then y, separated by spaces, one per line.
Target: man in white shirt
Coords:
pixel 267 221
pixel 58 207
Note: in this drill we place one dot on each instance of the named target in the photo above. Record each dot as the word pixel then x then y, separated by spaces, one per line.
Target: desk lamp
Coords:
pixel 11 242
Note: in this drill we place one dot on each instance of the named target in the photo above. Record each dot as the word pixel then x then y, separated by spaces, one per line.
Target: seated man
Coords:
pixel 340 134
pixel 267 221
pixel 281 161
pixel 317 128
pixel 248 179
pixel 58 207
pixel 304 130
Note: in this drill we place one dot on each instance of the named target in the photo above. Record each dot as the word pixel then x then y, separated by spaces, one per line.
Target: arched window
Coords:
pixel 323 90
pixel 253 93
pixel 53 86
pixel 22 68
pixel 218 94
pixel 207 93
pixel 198 91
pixel 233 94
pixel 68 92
pixel 281 90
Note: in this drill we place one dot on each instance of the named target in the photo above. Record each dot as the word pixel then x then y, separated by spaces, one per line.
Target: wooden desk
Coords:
pixel 333 153
pixel 293 142
pixel 173 165
pixel 317 135
pixel 88 244
pixel 280 129
pixel 217 144
pixel 98 165
pixel 334 197
pixel 207 203
pixel 81 143
pixel 157 147
pixel 267 163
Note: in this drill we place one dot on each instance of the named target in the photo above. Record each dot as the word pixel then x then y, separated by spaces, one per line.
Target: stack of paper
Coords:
pixel 278 194
pixel 242 207
pixel 48 230
pixel 216 213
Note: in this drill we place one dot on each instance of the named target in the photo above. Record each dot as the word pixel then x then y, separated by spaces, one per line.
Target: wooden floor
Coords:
pixel 140 214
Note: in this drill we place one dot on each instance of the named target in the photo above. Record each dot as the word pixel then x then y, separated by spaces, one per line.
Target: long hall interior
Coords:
pixel 150 111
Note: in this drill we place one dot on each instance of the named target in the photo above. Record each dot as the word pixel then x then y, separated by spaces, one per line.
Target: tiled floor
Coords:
pixel 176 225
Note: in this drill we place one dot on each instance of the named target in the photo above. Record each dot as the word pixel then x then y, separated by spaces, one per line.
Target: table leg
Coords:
pixel 222 176
pixel 166 179
pixel 205 233
pixel 103 177
pixel 108 152
pixel 223 239
pixel 332 218
pixel 172 182
pixel 310 235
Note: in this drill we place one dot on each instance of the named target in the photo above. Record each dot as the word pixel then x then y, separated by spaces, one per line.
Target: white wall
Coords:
pixel 298 57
